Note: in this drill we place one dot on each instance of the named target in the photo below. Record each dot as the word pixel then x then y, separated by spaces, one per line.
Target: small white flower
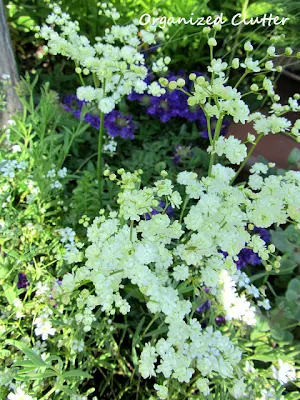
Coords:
pixel 285 373
pixel 19 395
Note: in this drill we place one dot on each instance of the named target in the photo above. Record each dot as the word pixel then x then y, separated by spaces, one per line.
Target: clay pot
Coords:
pixel 274 148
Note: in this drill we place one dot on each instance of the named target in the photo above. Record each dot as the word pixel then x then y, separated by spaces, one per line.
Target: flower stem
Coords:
pixel 99 159
pixel 215 138
pixel 247 158
pixel 186 200
pixel 49 393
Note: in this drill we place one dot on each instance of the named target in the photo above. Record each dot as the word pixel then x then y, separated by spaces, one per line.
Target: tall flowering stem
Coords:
pixel 215 138
pixel 247 158
pixel 99 159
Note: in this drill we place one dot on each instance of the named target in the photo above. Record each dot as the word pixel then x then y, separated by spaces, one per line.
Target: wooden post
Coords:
pixel 8 67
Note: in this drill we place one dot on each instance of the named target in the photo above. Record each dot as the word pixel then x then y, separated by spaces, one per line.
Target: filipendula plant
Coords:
pixel 172 261
pixel 115 63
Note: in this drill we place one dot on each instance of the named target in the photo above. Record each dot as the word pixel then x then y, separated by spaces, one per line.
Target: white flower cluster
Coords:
pixel 110 146
pixel 285 373
pixel 228 101
pixel 160 65
pixel 232 148
pixel 33 189
pixel 19 394
pixel 151 253
pixel 10 167
pixel 43 326
pixel 72 248
pixel 54 176
pixel 115 60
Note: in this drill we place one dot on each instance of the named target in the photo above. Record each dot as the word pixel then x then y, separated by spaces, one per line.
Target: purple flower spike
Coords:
pixel 22 281
pixel 220 320
pixel 205 307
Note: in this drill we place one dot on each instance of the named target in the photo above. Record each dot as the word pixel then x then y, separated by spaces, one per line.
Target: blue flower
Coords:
pixel 118 124
pixel 169 211
pixel 205 307
pixel 115 123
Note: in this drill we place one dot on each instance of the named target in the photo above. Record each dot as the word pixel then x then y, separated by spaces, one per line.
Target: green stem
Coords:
pixel 235 44
pixel 211 163
pixel 99 159
pixel 186 200
pixel 241 79
pixel 208 128
pixel 215 138
pixel 292 325
pixel 247 158
pixel 131 229
pixel 149 326
pixel 87 160
pixel 48 393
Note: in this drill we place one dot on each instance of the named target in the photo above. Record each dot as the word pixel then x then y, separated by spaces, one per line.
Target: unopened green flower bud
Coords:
pixel 279 68
pixel 217 27
pixel 271 248
pixel 288 51
pixel 78 70
pixel 106 172
pixel 277 264
pixel 164 173
pixel 248 46
pixel 212 42
pixel 112 177
pixel 191 101
pixel 276 97
pixel 269 65
pixel 206 30
pixel 269 267
pixel 271 51
pixel 180 82
pixel 85 71
pixel 192 76
pixel 274 39
pixel 254 87
pixel 235 63
pixel 121 171
pixel 200 80
pixel 163 81
pixel 172 85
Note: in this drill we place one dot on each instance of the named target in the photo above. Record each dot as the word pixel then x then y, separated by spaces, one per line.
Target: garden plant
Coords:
pixel 142 255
